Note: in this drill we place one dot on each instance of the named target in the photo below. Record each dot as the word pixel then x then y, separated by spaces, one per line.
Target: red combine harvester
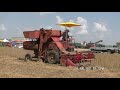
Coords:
pixel 53 46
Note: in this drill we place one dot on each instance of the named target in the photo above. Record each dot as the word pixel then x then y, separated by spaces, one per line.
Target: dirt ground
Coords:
pixel 12 67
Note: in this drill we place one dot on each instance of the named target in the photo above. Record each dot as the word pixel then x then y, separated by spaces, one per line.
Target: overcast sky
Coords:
pixel 95 25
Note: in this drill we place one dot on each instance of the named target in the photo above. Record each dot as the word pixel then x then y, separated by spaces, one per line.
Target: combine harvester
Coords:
pixel 53 46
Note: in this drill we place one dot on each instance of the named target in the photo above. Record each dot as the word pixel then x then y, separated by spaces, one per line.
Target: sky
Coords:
pixel 95 25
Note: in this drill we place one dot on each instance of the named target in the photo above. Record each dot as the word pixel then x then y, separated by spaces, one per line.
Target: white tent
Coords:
pixel 5 40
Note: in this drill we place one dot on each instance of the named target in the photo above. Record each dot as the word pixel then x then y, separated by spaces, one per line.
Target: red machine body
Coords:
pixel 53 46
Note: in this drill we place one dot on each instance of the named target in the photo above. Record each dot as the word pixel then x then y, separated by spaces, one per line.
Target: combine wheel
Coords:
pixel 28 57
pixel 52 57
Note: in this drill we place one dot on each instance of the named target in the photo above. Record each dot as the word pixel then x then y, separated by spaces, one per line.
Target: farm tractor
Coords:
pixel 53 46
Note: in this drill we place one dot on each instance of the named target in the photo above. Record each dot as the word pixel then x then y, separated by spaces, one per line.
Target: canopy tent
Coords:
pixel 4 40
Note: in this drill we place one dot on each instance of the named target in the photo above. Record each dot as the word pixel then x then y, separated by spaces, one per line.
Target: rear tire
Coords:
pixel 28 57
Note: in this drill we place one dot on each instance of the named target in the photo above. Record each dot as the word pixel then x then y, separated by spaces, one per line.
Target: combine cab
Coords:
pixel 53 46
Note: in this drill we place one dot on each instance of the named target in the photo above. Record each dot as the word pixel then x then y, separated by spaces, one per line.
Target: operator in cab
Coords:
pixel 65 35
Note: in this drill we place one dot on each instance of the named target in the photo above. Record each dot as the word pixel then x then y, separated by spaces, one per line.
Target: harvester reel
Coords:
pixel 28 57
pixel 52 57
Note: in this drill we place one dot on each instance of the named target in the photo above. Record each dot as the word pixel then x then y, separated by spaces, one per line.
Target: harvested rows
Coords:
pixel 12 67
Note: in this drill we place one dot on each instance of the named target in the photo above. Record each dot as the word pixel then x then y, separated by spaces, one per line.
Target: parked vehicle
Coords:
pixel 103 48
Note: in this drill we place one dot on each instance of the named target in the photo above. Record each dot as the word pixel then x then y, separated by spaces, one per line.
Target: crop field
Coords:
pixel 12 67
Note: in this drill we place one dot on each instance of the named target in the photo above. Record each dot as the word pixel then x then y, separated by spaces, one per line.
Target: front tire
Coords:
pixel 52 57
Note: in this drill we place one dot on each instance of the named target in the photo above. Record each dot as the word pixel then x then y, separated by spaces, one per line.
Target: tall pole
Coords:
pixel 66 35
